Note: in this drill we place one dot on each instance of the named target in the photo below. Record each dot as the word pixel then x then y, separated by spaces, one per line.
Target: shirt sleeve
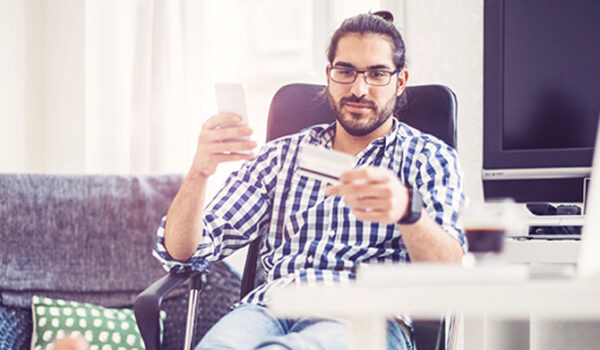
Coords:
pixel 237 215
pixel 439 179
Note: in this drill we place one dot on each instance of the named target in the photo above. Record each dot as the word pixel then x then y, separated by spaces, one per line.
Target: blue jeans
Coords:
pixel 254 327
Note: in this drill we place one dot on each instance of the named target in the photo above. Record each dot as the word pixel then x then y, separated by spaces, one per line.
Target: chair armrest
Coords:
pixel 147 306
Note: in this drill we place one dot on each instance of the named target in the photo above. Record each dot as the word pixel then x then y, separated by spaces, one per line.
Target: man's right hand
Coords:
pixel 215 144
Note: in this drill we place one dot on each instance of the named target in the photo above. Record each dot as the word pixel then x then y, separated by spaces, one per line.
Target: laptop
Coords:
pixel 588 263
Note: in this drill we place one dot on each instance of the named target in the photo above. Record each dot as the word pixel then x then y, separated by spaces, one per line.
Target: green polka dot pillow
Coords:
pixel 103 328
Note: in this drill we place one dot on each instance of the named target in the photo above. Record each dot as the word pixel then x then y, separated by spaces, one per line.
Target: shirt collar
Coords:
pixel 325 136
pixel 390 137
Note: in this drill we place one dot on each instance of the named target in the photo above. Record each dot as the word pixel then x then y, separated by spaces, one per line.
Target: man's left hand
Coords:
pixel 373 194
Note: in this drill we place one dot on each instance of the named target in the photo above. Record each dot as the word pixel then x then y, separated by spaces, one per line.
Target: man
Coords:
pixel 315 232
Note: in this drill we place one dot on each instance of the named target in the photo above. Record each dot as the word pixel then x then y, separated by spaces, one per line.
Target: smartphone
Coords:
pixel 231 98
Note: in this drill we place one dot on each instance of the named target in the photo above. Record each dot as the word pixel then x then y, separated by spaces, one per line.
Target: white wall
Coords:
pixel 444 42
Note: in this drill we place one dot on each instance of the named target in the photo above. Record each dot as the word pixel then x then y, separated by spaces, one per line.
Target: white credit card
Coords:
pixel 323 164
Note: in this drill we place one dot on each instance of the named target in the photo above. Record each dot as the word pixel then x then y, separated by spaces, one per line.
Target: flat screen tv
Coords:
pixel 541 98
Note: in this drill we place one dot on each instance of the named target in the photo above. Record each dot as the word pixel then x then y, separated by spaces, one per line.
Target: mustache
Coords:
pixel 355 99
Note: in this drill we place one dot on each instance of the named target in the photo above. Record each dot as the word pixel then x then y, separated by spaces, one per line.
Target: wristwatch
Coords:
pixel 415 205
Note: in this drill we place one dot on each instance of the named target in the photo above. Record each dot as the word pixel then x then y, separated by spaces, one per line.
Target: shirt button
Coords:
pixel 309 260
pixel 331 233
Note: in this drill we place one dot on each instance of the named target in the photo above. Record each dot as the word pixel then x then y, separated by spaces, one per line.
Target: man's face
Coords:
pixel 361 108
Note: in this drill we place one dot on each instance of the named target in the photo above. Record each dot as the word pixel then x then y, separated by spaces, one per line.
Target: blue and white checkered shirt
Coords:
pixel 308 237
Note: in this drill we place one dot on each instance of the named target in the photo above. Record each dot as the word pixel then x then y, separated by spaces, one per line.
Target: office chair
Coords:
pixel 429 108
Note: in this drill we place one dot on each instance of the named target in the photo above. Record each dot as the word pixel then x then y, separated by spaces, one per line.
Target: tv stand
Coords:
pixel 541 251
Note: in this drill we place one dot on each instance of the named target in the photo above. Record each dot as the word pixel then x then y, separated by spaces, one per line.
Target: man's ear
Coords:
pixel 327 68
pixel 402 81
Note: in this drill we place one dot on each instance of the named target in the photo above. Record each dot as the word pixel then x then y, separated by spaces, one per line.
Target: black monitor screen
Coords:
pixel 551 74
pixel 541 97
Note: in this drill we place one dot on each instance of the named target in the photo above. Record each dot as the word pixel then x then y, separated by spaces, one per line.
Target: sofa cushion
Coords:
pixel 82 237
pixel 106 328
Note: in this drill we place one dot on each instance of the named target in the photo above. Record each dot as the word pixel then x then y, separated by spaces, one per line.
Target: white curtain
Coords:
pixel 138 119
pixel 110 86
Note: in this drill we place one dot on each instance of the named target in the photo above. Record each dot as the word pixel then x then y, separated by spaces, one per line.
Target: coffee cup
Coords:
pixel 486 225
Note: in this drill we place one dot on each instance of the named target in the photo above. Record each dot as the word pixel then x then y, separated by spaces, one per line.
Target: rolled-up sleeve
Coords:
pixel 439 180
pixel 238 214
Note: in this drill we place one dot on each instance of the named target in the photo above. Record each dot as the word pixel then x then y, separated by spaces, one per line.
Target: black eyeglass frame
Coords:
pixel 357 72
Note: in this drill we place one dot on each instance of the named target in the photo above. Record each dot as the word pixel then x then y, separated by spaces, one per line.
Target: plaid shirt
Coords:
pixel 308 237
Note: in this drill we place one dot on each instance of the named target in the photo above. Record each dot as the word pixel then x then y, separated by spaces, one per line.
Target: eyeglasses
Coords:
pixel 373 77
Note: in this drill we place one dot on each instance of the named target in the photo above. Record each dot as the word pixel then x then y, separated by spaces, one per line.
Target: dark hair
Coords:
pixel 380 22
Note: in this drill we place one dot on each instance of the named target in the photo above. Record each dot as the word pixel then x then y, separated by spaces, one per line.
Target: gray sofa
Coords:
pixel 89 238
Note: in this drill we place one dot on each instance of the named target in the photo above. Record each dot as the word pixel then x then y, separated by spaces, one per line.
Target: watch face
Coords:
pixel 415 206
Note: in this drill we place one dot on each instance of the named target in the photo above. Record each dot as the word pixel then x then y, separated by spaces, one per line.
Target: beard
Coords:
pixel 355 124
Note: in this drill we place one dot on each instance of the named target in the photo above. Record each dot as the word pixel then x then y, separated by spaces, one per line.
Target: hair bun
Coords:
pixel 386 15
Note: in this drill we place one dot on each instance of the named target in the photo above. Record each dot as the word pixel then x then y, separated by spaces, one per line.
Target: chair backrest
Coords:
pixel 429 108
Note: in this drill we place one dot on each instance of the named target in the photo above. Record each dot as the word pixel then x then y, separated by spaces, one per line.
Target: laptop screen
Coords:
pixel 588 264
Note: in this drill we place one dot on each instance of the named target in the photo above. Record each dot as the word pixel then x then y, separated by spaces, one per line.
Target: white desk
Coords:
pixel 367 303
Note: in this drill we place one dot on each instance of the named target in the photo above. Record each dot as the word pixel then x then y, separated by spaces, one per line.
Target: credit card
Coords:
pixel 323 164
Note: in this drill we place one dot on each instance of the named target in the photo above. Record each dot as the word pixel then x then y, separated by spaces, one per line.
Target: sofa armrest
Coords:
pixel 147 305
